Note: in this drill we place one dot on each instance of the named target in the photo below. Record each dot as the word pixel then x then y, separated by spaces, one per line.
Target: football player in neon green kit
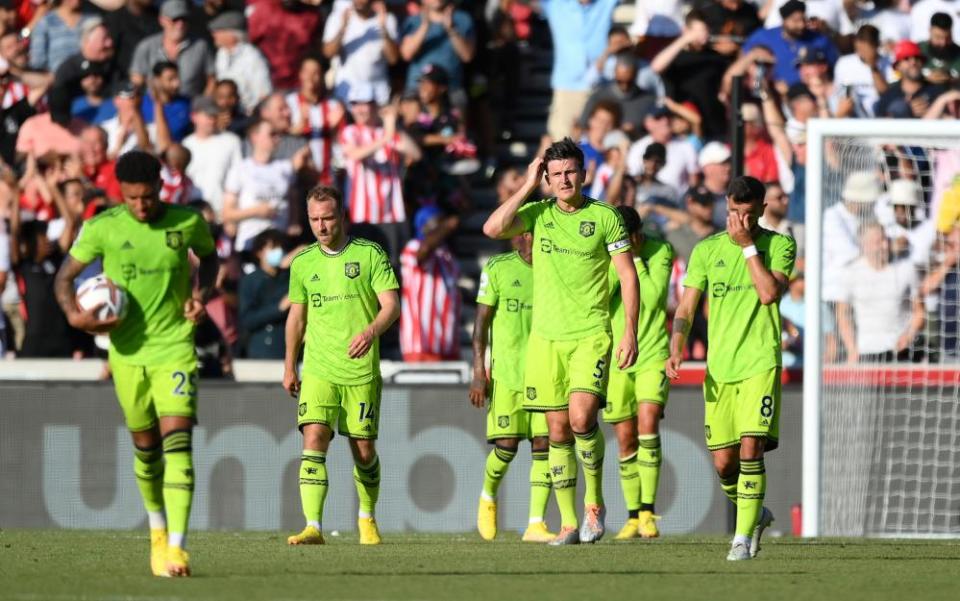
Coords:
pixel 505 298
pixel 575 238
pixel 145 245
pixel 745 272
pixel 343 297
pixel 636 397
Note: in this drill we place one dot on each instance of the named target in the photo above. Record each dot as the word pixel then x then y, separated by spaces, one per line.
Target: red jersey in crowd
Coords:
pixel 373 189
pixel 176 188
pixel 104 177
pixel 284 36
pixel 761 162
pixel 430 305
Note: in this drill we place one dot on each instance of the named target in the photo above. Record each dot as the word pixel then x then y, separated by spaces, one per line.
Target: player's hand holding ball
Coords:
pixel 101 305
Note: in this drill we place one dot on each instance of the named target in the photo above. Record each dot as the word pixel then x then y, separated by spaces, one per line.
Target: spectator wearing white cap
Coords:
pixel 841 228
pixel 361 38
pixel 238 60
pixel 900 211
pixel 714 161
pixel 681 169
pixel 374 150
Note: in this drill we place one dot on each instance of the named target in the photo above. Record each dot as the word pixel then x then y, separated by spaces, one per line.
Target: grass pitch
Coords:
pixel 63 565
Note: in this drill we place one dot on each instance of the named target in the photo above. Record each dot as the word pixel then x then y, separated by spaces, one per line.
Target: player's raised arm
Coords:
pixel 296 326
pixel 389 312
pixel 682 322
pixel 481 334
pixel 630 293
pixel 504 223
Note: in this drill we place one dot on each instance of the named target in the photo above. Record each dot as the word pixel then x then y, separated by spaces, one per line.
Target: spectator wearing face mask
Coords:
pixel 263 298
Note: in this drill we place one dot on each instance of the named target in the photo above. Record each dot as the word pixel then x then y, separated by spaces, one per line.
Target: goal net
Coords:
pixel 882 350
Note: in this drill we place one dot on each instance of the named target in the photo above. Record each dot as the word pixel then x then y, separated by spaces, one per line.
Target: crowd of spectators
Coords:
pixel 402 106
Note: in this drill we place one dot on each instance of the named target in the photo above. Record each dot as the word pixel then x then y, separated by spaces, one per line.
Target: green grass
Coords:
pixel 60 565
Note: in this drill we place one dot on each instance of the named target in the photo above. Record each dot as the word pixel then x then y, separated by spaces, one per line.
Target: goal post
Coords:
pixel 891 430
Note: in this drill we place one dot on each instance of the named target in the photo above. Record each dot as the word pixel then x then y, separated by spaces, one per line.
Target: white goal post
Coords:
pixel 898 473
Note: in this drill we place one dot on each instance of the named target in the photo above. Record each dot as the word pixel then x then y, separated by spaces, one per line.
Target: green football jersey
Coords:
pixel 743 334
pixel 340 292
pixel 506 284
pixel 571 256
pixel 150 262
pixel 654 266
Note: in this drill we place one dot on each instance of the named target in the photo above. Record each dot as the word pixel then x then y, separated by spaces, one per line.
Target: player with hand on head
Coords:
pixel 575 238
pixel 145 245
pixel 745 270
pixel 505 299
pixel 637 396
pixel 343 297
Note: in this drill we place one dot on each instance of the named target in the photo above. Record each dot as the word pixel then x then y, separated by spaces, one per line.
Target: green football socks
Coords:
pixel 178 483
pixel 630 482
pixel 729 486
pixel 498 462
pixel 148 467
pixel 563 475
pixel 367 479
pixel 649 458
pixel 313 486
pixel 539 485
pixel 750 491
pixel 590 447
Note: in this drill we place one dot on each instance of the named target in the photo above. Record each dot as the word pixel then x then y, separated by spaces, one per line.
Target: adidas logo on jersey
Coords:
pixel 126 246
pixel 720 264
pixel 516 283
pixel 315 278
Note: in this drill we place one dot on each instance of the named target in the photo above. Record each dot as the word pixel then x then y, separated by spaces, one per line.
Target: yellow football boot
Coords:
pixel 487 519
pixel 309 536
pixel 369 533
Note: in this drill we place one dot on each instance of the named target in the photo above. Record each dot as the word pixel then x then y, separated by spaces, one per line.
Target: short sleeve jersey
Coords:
pixel 506 284
pixel 654 266
pixel 340 291
pixel 571 255
pixel 744 334
pixel 149 260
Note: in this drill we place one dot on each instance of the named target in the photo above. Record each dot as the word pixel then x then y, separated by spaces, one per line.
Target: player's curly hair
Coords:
pixel 746 189
pixel 138 167
pixel 322 192
pixel 564 149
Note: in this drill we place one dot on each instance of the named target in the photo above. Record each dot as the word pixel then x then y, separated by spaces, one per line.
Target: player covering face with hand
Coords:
pixel 575 239
pixel 145 246
pixel 637 396
pixel 505 299
pixel 343 297
pixel 745 271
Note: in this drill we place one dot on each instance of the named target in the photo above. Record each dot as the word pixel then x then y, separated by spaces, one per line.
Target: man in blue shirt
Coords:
pixel 579 30
pixel 439 35
pixel 787 41
pixel 176 107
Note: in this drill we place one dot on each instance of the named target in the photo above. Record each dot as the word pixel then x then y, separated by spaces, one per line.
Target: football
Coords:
pixel 100 290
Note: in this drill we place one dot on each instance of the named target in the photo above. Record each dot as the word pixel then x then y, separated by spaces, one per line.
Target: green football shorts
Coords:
pixel 147 392
pixel 627 389
pixel 353 410
pixel 556 368
pixel 506 417
pixel 750 407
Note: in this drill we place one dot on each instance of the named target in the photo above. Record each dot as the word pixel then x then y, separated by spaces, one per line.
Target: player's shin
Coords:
pixel 539 485
pixel 498 462
pixel 313 486
pixel 148 467
pixel 590 447
pixel 563 475
pixel 178 483
pixel 729 486
pixel 367 478
pixel 750 492
pixel 630 484
pixel 649 458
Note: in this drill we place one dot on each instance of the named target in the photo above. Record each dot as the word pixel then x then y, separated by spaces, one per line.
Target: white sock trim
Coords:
pixel 741 538
pixel 535 520
pixel 364 514
pixel 486 496
pixel 177 539
pixel 157 520
pixel 315 525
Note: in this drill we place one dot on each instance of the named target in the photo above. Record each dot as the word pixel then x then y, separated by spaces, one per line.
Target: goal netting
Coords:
pixel 882 350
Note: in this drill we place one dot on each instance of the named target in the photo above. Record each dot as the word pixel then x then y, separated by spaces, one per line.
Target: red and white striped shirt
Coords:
pixel 374 193
pixel 321 124
pixel 430 307
pixel 176 188
pixel 13 93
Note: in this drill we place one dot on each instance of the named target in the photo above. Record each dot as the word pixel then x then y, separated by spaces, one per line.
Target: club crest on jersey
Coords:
pixel 503 421
pixel 351 270
pixel 587 228
pixel 175 239
pixel 302 409
pixel 531 393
